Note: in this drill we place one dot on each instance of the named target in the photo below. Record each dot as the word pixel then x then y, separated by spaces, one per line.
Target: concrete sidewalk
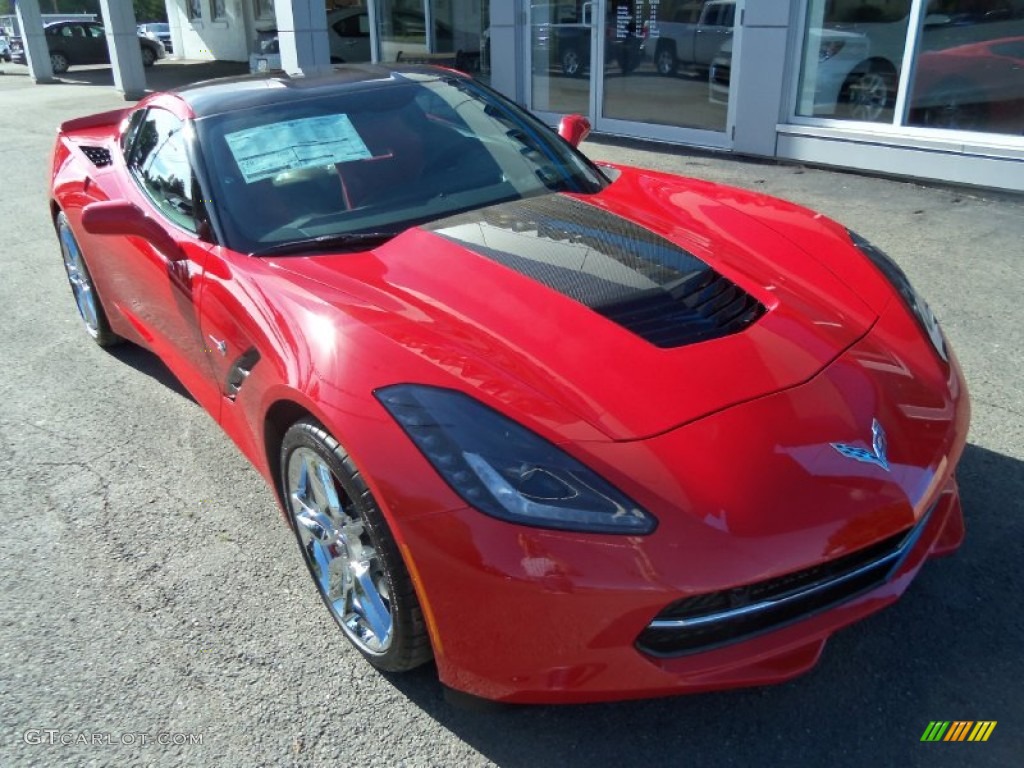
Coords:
pixel 150 586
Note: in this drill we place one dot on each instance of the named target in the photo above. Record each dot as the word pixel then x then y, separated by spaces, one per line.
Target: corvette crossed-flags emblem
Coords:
pixel 875 455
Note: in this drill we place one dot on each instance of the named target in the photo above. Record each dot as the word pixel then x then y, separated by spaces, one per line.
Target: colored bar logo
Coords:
pixel 959 730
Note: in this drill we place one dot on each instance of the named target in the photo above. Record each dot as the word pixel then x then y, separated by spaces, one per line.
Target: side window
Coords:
pixel 95 30
pixel 159 162
pixel 353 26
pixel 129 131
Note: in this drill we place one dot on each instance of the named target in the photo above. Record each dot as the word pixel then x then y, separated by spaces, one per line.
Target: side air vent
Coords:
pixel 100 156
pixel 697 308
pixel 240 371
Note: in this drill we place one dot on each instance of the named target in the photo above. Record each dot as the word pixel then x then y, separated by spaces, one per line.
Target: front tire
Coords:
pixel 90 308
pixel 349 550
pixel 148 57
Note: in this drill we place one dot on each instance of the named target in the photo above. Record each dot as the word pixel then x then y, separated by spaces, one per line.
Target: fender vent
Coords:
pixel 240 371
pixel 100 156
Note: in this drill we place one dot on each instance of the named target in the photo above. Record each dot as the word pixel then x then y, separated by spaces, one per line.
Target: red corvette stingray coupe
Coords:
pixel 576 432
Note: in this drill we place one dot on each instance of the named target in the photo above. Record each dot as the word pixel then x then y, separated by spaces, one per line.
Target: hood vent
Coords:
pixel 100 156
pixel 621 270
pixel 700 307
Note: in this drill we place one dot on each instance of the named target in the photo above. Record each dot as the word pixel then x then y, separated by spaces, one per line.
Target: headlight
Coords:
pixel 829 48
pixel 505 470
pixel 914 301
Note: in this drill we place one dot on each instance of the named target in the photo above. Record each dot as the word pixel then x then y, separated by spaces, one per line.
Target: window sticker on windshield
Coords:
pixel 309 142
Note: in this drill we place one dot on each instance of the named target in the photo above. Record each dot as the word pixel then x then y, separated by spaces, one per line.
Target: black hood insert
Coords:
pixel 617 268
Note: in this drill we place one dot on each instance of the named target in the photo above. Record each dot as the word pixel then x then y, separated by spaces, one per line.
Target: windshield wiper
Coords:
pixel 310 245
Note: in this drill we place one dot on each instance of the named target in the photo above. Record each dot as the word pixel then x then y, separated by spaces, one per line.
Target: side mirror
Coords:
pixel 574 129
pixel 119 217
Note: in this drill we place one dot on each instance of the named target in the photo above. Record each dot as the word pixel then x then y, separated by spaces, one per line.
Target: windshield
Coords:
pixel 377 159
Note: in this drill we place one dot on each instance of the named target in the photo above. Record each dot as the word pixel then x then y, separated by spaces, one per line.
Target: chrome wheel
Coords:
pixel 868 96
pixel 339 552
pixel 78 276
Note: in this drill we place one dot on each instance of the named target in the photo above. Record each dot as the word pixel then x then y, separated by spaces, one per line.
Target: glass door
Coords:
pixel 665 66
pixel 561 49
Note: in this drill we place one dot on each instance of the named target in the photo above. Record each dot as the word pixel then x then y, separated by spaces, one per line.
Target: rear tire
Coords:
pixel 90 308
pixel 572 62
pixel 868 93
pixel 665 60
pixel 59 63
pixel 349 550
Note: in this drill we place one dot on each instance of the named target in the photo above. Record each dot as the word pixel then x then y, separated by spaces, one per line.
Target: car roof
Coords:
pixel 212 97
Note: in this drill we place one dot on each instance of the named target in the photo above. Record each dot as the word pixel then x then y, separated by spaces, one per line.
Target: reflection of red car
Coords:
pixel 979 86
pixel 576 433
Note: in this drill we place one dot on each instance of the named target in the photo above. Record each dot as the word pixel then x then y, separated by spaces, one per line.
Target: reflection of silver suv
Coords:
pixel 690 37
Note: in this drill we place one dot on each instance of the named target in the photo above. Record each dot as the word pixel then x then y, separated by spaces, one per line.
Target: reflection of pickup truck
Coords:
pixel 687 43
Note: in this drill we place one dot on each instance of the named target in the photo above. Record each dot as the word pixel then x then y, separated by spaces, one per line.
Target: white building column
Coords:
pixel 174 22
pixel 758 77
pixel 123 45
pixel 30 22
pixel 505 25
pixel 302 32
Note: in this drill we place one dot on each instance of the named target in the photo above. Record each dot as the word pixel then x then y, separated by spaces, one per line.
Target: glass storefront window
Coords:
pixel 969 67
pixel 852 56
pixel 659 59
pixel 402 27
pixel 265 10
pixel 667 62
pixel 560 45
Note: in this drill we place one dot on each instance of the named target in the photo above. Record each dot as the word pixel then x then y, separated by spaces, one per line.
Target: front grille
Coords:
pixel 100 156
pixel 700 307
pixel 720 74
pixel 714 619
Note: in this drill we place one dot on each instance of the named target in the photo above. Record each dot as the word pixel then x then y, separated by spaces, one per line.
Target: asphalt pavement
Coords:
pixel 154 606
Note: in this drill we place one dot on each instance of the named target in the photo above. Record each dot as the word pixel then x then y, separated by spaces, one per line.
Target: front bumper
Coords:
pixel 524 615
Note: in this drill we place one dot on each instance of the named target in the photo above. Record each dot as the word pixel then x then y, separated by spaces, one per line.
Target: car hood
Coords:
pixel 638 309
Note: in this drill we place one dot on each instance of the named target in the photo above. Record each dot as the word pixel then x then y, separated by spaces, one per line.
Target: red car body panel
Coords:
pixel 726 442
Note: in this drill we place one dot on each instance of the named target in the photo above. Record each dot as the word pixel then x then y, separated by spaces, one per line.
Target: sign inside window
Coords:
pixel 309 142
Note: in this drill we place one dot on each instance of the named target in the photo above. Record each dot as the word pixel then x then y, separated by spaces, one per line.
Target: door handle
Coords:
pixel 220 346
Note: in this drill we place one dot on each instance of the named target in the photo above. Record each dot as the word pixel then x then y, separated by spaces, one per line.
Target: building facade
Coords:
pixel 931 89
